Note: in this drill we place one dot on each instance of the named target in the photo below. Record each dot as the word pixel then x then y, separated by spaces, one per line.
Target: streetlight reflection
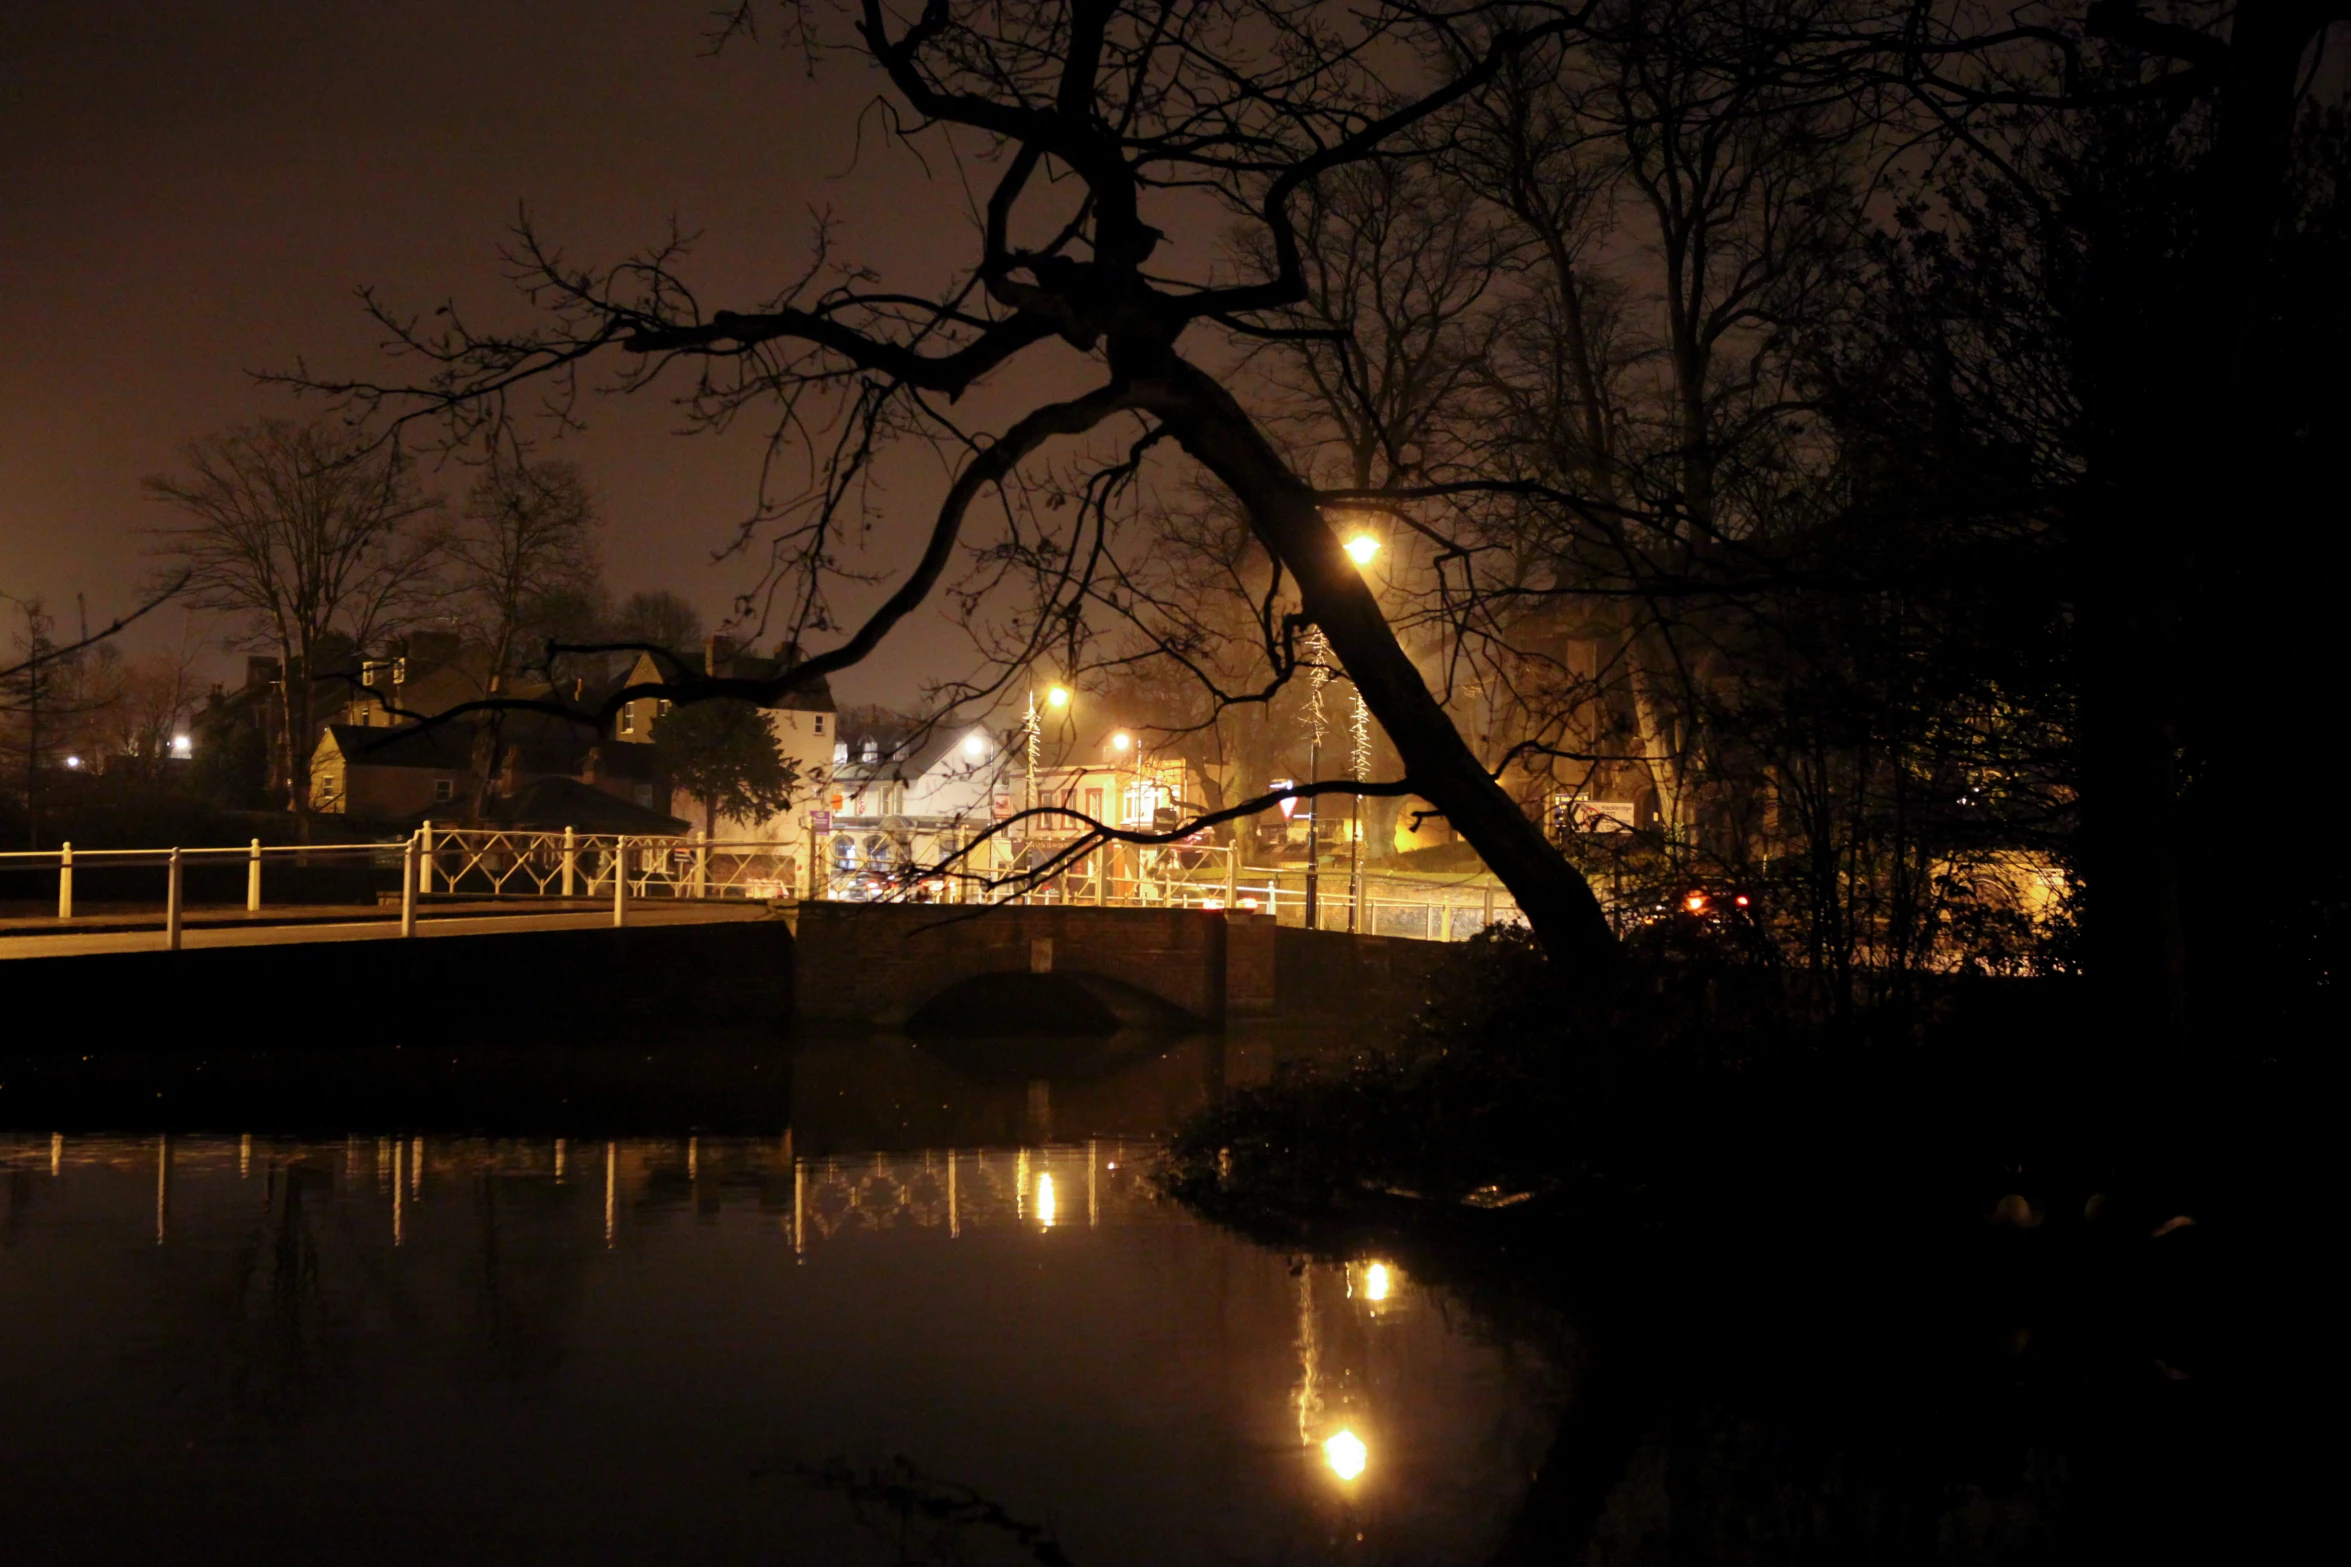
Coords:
pixel 1045 1201
pixel 1375 1282
pixel 1346 1455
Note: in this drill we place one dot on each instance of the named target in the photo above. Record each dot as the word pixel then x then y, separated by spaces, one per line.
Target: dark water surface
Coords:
pixel 874 1302
pixel 416 1347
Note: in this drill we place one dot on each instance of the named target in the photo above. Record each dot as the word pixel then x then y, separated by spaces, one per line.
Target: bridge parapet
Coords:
pixel 879 964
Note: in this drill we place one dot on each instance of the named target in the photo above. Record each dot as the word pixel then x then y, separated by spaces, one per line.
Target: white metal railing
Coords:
pixel 618 869
pixel 1375 904
pixel 175 861
pixel 456 861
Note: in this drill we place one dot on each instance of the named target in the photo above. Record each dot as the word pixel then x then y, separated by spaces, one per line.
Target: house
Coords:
pixel 802 719
pixel 426 674
pixel 548 775
pixel 905 794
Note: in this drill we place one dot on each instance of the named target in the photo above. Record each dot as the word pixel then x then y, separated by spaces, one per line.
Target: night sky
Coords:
pixel 192 191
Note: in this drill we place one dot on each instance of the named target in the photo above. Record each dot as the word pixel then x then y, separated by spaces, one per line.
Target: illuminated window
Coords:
pixel 661 708
pixel 628 719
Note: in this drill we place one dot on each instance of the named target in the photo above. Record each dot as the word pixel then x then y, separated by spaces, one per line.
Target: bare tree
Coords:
pixel 314 537
pixel 657 618
pixel 523 543
pixel 1088 112
pixel 524 537
pixel 37 701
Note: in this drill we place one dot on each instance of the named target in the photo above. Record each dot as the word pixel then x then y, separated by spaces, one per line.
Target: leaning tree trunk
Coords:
pixel 1219 434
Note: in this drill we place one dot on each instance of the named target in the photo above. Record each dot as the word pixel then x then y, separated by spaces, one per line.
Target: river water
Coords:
pixel 834 1342
pixel 935 1312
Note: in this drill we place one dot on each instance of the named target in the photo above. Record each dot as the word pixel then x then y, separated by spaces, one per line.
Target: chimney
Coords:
pixel 260 671
pixel 718 655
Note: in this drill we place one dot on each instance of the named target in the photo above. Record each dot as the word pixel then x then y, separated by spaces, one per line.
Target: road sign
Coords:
pixel 1289 802
pixel 820 821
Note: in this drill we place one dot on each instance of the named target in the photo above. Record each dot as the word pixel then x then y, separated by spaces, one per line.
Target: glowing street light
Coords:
pixel 975 744
pixel 1361 548
pixel 1120 741
pixel 1346 1455
pixel 1058 696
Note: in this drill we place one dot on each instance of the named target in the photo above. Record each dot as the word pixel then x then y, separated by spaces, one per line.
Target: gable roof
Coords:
pixel 533 742
pixel 552 803
pixel 439 747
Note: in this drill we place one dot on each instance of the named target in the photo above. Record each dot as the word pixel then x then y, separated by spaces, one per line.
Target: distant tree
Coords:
pixel 576 615
pixel 525 534
pixel 723 754
pixel 37 686
pixel 315 537
pixel 141 707
pixel 523 542
pixel 660 618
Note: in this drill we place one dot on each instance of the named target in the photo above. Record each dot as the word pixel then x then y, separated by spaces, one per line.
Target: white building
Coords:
pixel 897 800
pixel 802 720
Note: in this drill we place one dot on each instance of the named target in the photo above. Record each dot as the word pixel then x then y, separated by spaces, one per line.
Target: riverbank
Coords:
pixel 1984 1285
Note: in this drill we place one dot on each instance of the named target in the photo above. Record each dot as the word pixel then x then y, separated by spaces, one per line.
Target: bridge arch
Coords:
pixel 885 965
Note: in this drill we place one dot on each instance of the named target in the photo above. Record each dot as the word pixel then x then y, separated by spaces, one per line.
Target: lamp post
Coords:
pixel 1120 744
pixel 1033 734
pixel 1360 549
pixel 1318 675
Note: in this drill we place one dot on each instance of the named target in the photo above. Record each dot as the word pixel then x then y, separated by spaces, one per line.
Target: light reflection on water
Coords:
pixel 443 1347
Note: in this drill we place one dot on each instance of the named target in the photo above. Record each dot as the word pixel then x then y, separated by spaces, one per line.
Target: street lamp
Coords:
pixel 1360 549
pixel 1056 697
pixel 1033 731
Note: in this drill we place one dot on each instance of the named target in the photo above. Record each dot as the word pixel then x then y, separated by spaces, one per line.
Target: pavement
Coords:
pixel 297 926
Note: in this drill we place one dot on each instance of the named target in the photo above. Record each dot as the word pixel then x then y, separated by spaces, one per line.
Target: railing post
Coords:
pixel 620 883
pixel 253 879
pixel 171 904
pixel 408 858
pixel 1489 907
pixel 701 863
pixel 424 863
pixel 65 881
pixel 571 862
pixel 1232 876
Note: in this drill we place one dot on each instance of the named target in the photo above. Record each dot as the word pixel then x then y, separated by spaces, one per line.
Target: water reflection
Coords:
pixel 444 1348
pixel 941 1304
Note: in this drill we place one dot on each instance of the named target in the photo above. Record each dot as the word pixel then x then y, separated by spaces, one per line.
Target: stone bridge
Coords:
pixel 1063 967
